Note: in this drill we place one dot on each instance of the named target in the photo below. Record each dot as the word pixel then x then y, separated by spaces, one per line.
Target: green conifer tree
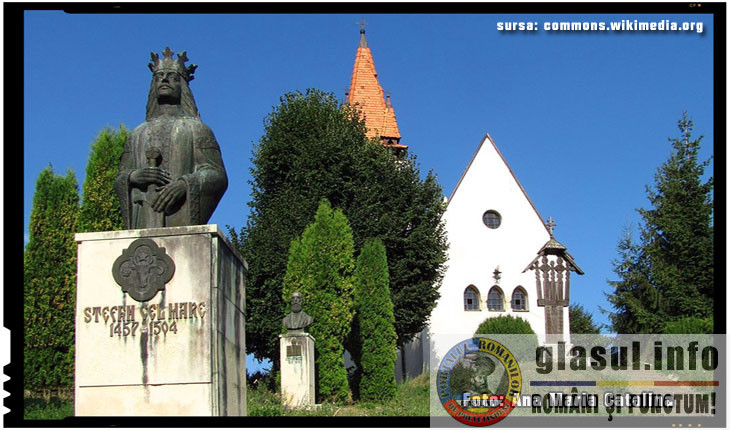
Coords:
pixel 373 328
pixel 637 304
pixel 49 284
pixel 320 267
pixel 669 275
pixel 581 321
pixel 99 204
pixel 677 234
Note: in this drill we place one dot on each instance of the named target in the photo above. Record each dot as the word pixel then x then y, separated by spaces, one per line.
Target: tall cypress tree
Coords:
pixel 670 273
pixel 49 284
pixel 375 338
pixel 99 204
pixel 320 267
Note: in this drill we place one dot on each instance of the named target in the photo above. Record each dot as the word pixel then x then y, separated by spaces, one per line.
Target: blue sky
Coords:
pixel 581 117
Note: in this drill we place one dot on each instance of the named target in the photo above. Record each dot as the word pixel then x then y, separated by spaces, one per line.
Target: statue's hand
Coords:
pixel 169 196
pixel 149 175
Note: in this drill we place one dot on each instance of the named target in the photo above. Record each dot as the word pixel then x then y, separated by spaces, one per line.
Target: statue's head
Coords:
pixel 170 83
pixel 296 302
pixel 169 86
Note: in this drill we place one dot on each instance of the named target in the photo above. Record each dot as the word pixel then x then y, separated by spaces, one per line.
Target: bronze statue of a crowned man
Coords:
pixel 171 172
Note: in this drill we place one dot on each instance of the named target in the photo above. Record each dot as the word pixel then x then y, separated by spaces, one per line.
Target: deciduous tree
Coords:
pixel 314 148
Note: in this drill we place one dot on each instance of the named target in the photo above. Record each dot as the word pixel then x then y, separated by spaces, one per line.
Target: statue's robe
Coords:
pixel 297 321
pixel 189 152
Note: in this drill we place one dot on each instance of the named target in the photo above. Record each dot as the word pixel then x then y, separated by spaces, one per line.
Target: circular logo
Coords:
pixel 479 381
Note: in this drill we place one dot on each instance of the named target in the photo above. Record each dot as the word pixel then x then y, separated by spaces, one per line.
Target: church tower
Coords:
pixel 368 96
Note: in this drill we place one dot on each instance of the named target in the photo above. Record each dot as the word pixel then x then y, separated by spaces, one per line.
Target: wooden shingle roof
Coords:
pixel 367 95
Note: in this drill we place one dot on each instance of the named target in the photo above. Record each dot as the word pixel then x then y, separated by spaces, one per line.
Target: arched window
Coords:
pixel 471 298
pixel 519 299
pixel 495 301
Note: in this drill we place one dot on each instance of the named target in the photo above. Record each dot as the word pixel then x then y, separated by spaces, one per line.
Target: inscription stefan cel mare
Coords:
pixel 155 320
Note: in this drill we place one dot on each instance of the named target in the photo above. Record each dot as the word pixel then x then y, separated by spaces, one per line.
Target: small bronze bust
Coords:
pixel 297 320
pixel 171 172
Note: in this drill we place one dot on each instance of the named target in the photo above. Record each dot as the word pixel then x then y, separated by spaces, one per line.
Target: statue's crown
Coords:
pixel 167 63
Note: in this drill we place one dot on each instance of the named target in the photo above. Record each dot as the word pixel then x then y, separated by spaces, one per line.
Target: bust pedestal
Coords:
pixel 296 352
pixel 180 352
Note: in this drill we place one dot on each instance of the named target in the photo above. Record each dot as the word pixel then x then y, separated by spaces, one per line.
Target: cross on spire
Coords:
pixel 362 23
pixel 551 225
pixel 497 275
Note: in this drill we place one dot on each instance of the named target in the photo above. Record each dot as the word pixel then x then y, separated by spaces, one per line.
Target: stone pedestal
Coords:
pixel 181 352
pixel 297 369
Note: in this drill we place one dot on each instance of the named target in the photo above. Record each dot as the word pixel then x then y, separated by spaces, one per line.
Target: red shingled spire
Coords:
pixel 368 96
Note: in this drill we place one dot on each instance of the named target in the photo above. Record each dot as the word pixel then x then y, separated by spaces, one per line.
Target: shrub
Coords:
pixel 505 324
pixel 522 346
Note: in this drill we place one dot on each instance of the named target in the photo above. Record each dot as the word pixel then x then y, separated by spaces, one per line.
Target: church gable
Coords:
pixel 494 231
pixel 488 187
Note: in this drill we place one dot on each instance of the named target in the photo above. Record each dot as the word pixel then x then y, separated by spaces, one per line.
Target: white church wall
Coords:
pixel 476 250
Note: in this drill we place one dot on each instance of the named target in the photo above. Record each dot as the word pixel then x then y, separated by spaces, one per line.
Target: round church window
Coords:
pixel 492 219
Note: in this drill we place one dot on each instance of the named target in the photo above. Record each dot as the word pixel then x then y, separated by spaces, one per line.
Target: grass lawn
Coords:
pixel 411 400
pixel 55 408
